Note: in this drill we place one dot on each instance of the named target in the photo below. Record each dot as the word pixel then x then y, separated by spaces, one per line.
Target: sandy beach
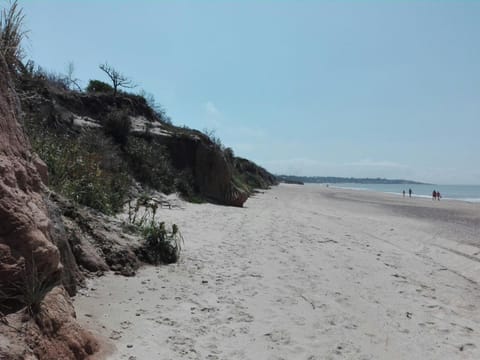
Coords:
pixel 302 272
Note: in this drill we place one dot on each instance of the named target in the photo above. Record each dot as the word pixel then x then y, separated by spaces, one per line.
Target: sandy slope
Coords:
pixel 304 273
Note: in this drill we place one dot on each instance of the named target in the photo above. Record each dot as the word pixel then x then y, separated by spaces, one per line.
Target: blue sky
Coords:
pixel 334 88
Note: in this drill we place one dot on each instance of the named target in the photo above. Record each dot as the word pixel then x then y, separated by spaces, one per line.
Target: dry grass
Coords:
pixel 12 33
pixel 27 291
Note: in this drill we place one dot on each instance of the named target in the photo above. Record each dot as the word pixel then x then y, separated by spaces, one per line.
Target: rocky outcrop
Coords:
pixel 53 334
pixel 30 262
pixel 98 242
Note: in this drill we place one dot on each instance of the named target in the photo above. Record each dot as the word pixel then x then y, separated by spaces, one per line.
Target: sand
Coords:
pixel 303 272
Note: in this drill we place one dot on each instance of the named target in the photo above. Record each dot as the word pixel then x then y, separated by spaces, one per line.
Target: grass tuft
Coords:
pixel 27 291
pixel 12 34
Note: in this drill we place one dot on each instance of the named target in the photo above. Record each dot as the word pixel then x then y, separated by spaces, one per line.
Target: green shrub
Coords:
pixel 161 245
pixel 150 164
pixel 211 135
pixel 117 124
pixel 97 86
pixel 158 109
pixel 85 168
pixel 184 184
pixel 239 181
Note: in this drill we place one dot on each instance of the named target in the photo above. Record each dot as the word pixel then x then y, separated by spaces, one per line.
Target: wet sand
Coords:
pixel 303 272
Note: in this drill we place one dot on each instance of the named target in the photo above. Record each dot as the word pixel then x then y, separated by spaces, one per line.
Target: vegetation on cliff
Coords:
pixel 97 143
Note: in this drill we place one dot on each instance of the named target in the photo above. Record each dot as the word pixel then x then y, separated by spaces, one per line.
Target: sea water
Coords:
pixel 448 192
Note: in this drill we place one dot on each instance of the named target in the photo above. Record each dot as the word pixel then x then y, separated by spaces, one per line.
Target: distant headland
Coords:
pixel 292 179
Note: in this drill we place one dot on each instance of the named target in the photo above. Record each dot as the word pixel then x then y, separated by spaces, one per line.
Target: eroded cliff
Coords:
pixel 37 317
pixel 192 159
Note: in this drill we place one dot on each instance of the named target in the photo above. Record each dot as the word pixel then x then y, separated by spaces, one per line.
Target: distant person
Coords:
pixel 403 193
pixel 410 192
pixel 434 195
pixel 438 195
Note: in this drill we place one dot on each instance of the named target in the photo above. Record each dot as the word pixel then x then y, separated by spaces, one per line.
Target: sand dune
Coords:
pixel 303 272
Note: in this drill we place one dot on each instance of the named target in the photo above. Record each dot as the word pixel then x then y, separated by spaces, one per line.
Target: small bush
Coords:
pixel 97 86
pixel 185 185
pixel 161 245
pixel 118 125
pixel 150 164
pixel 211 135
pixel 85 168
pixel 157 108
pixel 52 79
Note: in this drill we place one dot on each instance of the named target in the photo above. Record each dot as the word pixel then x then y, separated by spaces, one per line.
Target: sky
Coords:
pixel 317 88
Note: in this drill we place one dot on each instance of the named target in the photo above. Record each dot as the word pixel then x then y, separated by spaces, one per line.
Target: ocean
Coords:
pixel 469 193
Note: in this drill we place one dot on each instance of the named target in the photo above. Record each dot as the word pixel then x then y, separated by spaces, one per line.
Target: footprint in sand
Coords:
pixel 467 329
pixel 184 346
pixel 125 324
pixel 341 299
pixel 467 346
pixel 225 331
pixel 244 317
pixel 166 321
pixel 212 347
pixel 244 330
pixel 279 337
pixel 299 320
pixel 115 335
pixel 202 330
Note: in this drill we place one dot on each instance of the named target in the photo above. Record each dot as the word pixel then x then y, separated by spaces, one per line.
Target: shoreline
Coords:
pixel 414 195
pixel 302 273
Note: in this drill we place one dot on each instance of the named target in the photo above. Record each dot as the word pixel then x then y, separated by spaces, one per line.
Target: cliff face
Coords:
pixel 25 243
pixel 214 175
pixel 211 171
pixel 31 271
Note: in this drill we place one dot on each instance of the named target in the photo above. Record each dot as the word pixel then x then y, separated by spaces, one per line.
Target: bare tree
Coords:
pixel 71 79
pixel 117 78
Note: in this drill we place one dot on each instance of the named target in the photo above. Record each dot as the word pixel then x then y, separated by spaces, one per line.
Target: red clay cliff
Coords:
pixel 37 320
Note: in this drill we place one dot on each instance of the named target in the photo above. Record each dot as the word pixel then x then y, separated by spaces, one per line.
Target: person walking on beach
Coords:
pixel 434 195
pixel 409 192
pixel 438 195
pixel 403 193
